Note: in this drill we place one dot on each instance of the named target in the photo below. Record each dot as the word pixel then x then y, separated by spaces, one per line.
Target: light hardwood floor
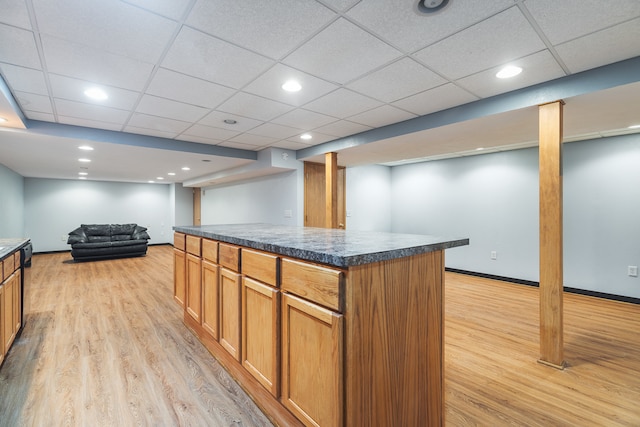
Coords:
pixel 104 344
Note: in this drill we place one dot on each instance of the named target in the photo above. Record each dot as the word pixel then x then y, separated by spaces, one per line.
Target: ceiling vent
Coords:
pixel 430 6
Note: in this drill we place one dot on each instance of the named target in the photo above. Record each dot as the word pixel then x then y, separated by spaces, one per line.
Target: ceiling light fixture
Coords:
pixel 186 168
pixel 151 181
pixel 85 148
pixel 508 72
pixel 305 136
pixel 291 86
pixel 84 160
pixel 83 173
pixel 634 127
pixel 159 177
pixel 230 121
pixel 3 120
pixel 431 6
pixel 96 93
pixel 82 177
pixel 171 173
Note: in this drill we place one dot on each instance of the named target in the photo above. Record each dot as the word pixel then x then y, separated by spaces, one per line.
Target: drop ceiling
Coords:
pixel 175 70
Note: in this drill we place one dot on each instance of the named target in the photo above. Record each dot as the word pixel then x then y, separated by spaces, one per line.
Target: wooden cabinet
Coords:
pixel 193 302
pixel 10 311
pixel 230 310
pixel 2 320
pixel 312 362
pixel 260 333
pixel 210 297
pixel 179 276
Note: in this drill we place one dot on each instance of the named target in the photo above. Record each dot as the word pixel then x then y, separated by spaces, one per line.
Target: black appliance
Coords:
pixel 26 253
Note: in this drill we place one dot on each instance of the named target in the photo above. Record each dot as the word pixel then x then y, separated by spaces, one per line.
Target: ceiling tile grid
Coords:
pixel 180 68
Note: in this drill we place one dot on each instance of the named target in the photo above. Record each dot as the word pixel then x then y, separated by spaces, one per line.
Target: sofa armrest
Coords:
pixel 140 233
pixel 77 236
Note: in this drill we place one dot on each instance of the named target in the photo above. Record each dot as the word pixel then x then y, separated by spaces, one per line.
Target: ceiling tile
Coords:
pixel 254 140
pixel 161 107
pixel 73 89
pixel 316 138
pixel 240 145
pixel 15 13
pixel 36 115
pixel 199 55
pixel 255 107
pixel 115 27
pixel 341 52
pixel 190 90
pixel 90 112
pixel 272 31
pixel 382 116
pixel 304 119
pixel 398 80
pixel 342 103
pixel 174 9
pixel 492 42
pixel 537 68
pixel 150 132
pixel 157 123
pixel 83 62
pixel 342 128
pixel 272 130
pixel 397 22
pixel 74 121
pixel 340 5
pixel 211 132
pixel 199 139
pixel 217 118
pixel 25 79
pixel 270 84
pixel 595 49
pixel 22 50
pixel 33 102
pixel 436 99
pixel 569 19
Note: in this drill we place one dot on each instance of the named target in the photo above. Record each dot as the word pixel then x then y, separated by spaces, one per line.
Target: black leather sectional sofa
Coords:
pixel 101 241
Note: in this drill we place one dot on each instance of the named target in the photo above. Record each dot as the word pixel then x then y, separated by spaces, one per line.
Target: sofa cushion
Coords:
pixel 97 230
pixel 122 229
pixel 98 239
pixel 140 233
pixel 77 236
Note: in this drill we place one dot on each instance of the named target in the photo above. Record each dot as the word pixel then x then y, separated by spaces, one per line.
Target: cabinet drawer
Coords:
pixel 319 284
pixel 210 250
pixel 260 266
pixel 9 266
pixel 194 245
pixel 179 241
pixel 229 256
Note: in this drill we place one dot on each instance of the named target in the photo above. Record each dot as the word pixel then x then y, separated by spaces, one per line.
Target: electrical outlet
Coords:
pixel 288 213
pixel 63 238
pixel 494 255
pixel 632 270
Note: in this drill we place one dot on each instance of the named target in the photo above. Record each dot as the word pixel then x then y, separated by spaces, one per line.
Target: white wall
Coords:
pixel 492 199
pixel 182 201
pixel 55 207
pixel 260 200
pixel 602 214
pixel 11 204
pixel 369 198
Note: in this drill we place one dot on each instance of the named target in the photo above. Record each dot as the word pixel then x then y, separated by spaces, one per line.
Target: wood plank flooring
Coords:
pixel 104 345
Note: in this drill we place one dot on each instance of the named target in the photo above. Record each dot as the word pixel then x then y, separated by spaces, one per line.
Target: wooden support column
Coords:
pixel 197 205
pixel 331 190
pixel 551 271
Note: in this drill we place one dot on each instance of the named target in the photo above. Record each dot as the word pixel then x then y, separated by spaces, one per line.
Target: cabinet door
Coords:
pixel 210 298
pixel 260 332
pixel 230 312
pixel 179 276
pixel 312 362
pixel 2 349
pixel 194 287
pixel 17 301
pixel 7 315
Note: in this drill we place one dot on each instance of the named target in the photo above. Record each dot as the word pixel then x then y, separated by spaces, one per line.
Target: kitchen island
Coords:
pixel 11 292
pixel 320 326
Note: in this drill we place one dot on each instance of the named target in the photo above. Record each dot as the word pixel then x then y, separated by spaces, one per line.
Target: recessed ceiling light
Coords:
pixel 230 121
pixel 431 6
pixel 96 93
pixel 82 177
pixel 171 173
pixel 291 86
pixel 151 181
pixel 3 120
pixel 83 173
pixel 85 148
pixel 159 177
pixel 634 127
pixel 186 168
pixel 305 136
pixel 84 160
pixel 508 71
pixel 479 148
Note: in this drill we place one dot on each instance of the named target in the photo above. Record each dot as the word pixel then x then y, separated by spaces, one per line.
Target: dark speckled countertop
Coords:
pixel 340 248
pixel 8 246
